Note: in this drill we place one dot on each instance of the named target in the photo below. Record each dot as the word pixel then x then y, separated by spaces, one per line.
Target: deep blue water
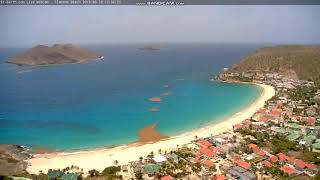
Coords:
pixel 104 103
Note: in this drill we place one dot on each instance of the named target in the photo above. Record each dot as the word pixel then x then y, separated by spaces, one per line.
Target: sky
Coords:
pixel 32 25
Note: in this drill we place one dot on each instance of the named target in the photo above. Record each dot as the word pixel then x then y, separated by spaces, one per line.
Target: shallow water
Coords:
pixel 105 103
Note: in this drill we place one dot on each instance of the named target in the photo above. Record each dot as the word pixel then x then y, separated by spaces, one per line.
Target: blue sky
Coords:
pixel 31 25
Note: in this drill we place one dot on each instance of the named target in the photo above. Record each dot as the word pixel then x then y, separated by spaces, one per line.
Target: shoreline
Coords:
pixel 103 157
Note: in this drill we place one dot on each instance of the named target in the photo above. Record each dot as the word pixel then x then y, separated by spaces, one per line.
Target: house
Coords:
pixel 241 173
pixel 266 164
pixel 208 163
pixel 294 136
pixel 168 177
pixel 207 152
pixel 151 169
pixel 173 157
pixel 219 177
pixel 243 164
pixel 204 144
pixel 159 158
pixel 54 174
pixel 282 157
pixel 237 127
pixel 273 159
pixel 276 112
pixel 70 176
pixel 289 170
pixel 316 147
pixel 311 111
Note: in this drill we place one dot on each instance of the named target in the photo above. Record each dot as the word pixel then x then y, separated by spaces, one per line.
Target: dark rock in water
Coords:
pixel 57 54
pixel 12 159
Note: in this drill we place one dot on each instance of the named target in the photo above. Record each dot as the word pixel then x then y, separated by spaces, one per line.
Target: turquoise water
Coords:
pixel 105 103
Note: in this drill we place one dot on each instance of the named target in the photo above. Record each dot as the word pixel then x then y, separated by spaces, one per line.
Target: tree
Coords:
pixel 93 173
pixel 139 175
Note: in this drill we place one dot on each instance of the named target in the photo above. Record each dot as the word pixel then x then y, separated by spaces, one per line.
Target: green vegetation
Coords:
pixel 277 172
pixel 111 172
pixel 282 144
pixel 309 156
pixel 184 154
pixel 197 167
pixel 294 61
pixel 306 94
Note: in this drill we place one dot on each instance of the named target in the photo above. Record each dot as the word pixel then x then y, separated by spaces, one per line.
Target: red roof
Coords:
pixel 247 122
pixel 208 163
pixel 276 112
pixel 243 164
pixel 291 159
pixel 220 177
pixel 266 163
pixel 299 163
pixel 237 126
pixel 167 178
pixel 282 157
pixel 207 152
pixel 288 169
pixel 311 166
pixel 204 143
pixel 264 119
pixel 273 159
pixel 311 120
pixel 259 152
pixel 252 146
pixel 217 149
pixel 262 110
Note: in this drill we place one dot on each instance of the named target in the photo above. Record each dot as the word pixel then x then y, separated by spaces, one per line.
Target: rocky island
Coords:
pixel 57 54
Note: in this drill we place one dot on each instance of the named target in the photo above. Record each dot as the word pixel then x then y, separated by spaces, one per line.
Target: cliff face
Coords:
pixel 294 61
pixel 57 54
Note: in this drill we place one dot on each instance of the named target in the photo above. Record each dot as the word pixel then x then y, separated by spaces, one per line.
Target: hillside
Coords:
pixel 295 61
pixel 57 54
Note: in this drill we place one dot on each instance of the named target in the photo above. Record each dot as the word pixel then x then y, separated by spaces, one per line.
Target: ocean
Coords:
pixel 105 103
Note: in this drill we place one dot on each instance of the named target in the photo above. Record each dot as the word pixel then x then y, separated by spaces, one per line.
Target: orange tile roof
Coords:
pixel 204 143
pixel 243 164
pixel 220 177
pixel 247 122
pixel 282 157
pixel 217 149
pixel 266 163
pixel 262 110
pixel 276 112
pixel 311 166
pixel 288 169
pixel 264 119
pixel 237 126
pixel 273 159
pixel 252 146
pixel 207 152
pixel 167 178
pixel 208 163
pixel 299 163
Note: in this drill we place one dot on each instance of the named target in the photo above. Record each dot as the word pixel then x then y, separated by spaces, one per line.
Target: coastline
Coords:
pixel 101 158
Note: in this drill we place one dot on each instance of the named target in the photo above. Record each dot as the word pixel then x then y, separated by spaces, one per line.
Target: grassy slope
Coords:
pixel 296 61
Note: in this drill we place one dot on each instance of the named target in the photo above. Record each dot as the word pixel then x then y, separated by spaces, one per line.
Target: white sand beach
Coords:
pixel 101 158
